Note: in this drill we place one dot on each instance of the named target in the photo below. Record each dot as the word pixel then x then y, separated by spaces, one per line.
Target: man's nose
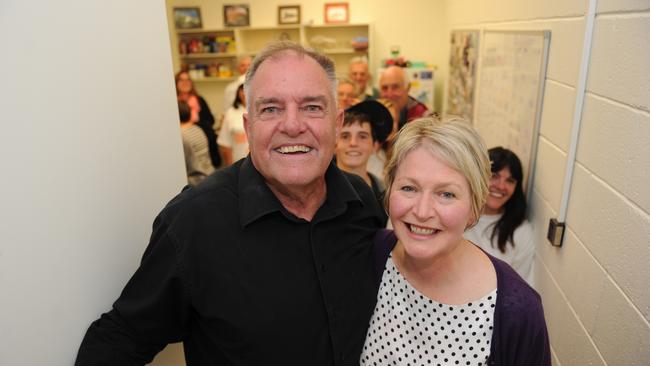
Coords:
pixel 292 123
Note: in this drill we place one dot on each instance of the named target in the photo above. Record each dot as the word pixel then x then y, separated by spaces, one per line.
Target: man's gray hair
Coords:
pixel 274 50
pixel 359 60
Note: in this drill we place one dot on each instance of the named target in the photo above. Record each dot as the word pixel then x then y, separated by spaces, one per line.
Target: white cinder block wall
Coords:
pixel 594 288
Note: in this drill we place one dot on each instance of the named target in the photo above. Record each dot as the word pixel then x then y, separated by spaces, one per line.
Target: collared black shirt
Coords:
pixel 242 281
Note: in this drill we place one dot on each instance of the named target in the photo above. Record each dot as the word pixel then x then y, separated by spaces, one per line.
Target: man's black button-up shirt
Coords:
pixel 242 281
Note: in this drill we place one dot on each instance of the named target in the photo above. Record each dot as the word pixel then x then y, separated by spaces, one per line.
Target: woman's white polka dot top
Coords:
pixel 407 328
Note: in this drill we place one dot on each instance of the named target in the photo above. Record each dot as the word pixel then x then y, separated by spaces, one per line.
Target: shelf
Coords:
pixel 343 51
pixel 202 31
pixel 208 55
pixel 213 79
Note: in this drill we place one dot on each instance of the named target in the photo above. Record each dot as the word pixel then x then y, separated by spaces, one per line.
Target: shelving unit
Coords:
pixel 209 55
pixel 335 40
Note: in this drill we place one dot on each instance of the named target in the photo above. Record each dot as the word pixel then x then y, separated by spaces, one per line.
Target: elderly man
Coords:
pixel 230 92
pixel 394 85
pixel 267 262
pixel 358 72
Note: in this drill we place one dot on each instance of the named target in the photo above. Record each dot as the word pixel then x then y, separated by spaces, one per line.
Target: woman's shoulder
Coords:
pixel 514 291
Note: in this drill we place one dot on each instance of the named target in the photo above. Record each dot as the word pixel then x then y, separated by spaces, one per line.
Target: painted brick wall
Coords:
pixel 594 288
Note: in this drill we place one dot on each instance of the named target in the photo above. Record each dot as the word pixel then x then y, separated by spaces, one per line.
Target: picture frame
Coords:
pixel 288 14
pixel 187 18
pixel 236 15
pixel 337 13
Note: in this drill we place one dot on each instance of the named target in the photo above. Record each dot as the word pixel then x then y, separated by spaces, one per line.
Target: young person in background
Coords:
pixel 502 231
pixel 365 128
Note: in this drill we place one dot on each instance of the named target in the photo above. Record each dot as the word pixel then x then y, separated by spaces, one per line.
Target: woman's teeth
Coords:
pixel 421 230
pixel 497 194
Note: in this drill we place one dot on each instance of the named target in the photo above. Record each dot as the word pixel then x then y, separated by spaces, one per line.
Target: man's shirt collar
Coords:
pixel 256 199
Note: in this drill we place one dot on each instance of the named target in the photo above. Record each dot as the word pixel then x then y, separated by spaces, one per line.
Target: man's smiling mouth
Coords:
pixel 293 149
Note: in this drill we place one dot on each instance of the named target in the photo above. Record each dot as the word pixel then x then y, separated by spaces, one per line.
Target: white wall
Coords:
pixel 415 25
pixel 90 151
pixel 594 288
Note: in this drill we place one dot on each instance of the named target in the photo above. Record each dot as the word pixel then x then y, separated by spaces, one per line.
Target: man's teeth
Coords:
pixel 496 194
pixel 421 230
pixel 294 149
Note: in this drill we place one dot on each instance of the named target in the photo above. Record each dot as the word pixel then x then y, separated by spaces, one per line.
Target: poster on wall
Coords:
pixel 462 73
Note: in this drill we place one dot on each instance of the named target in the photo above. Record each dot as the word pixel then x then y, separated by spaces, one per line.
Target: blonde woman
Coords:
pixel 442 300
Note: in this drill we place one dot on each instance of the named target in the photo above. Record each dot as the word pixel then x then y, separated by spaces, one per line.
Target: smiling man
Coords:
pixel 268 260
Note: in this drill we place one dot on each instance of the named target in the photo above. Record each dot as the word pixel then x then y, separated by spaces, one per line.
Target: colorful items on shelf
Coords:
pixel 207 44
pixel 396 59
pixel 213 70
pixel 359 43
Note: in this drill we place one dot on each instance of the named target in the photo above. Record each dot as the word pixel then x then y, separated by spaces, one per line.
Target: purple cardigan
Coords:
pixel 519 336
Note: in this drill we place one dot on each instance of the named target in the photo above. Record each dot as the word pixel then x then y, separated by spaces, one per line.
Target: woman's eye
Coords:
pixel 407 189
pixel 448 195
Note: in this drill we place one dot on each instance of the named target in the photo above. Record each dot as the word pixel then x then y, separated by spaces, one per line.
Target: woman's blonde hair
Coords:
pixel 454 141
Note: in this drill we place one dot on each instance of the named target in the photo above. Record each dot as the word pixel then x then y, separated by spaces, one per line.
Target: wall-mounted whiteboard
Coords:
pixel 510 90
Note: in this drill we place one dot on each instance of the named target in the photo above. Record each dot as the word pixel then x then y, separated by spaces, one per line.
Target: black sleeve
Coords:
pixel 152 311
pixel 205 116
pixel 206 122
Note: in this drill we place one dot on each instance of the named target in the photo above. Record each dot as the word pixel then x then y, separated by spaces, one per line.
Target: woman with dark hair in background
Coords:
pixel 233 143
pixel 185 92
pixel 502 231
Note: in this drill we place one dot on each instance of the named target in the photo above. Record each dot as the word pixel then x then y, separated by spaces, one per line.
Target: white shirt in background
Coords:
pixel 520 258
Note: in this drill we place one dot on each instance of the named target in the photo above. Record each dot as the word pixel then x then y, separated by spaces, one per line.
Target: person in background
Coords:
pixel 232 140
pixel 503 231
pixel 268 261
pixel 394 84
pixel 346 92
pixel 359 73
pixel 185 92
pixel 377 161
pixel 195 146
pixel 365 127
pixel 230 92
pixel 442 300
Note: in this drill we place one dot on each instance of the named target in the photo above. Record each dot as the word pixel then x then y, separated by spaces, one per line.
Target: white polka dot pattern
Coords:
pixel 408 328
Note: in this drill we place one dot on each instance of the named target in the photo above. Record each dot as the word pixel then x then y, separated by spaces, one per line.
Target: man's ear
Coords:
pixel 339 121
pixel 376 145
pixel 246 126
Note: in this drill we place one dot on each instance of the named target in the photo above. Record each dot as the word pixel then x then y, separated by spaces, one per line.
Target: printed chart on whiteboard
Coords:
pixel 511 84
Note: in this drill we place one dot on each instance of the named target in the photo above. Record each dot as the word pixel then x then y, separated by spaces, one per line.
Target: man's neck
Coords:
pixel 360 171
pixel 301 201
pixel 185 125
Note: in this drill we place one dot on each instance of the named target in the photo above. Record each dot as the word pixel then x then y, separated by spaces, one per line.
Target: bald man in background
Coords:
pixel 394 85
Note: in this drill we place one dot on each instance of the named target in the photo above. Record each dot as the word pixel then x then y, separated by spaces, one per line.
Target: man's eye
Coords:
pixel 269 110
pixel 313 108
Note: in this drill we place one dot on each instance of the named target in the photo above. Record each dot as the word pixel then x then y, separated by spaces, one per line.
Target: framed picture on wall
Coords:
pixel 336 13
pixel 236 15
pixel 187 18
pixel 289 14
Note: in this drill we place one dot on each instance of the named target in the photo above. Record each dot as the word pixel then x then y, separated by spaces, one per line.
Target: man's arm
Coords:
pixel 151 312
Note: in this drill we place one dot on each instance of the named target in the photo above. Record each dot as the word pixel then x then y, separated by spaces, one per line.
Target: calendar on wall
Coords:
pixel 510 92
